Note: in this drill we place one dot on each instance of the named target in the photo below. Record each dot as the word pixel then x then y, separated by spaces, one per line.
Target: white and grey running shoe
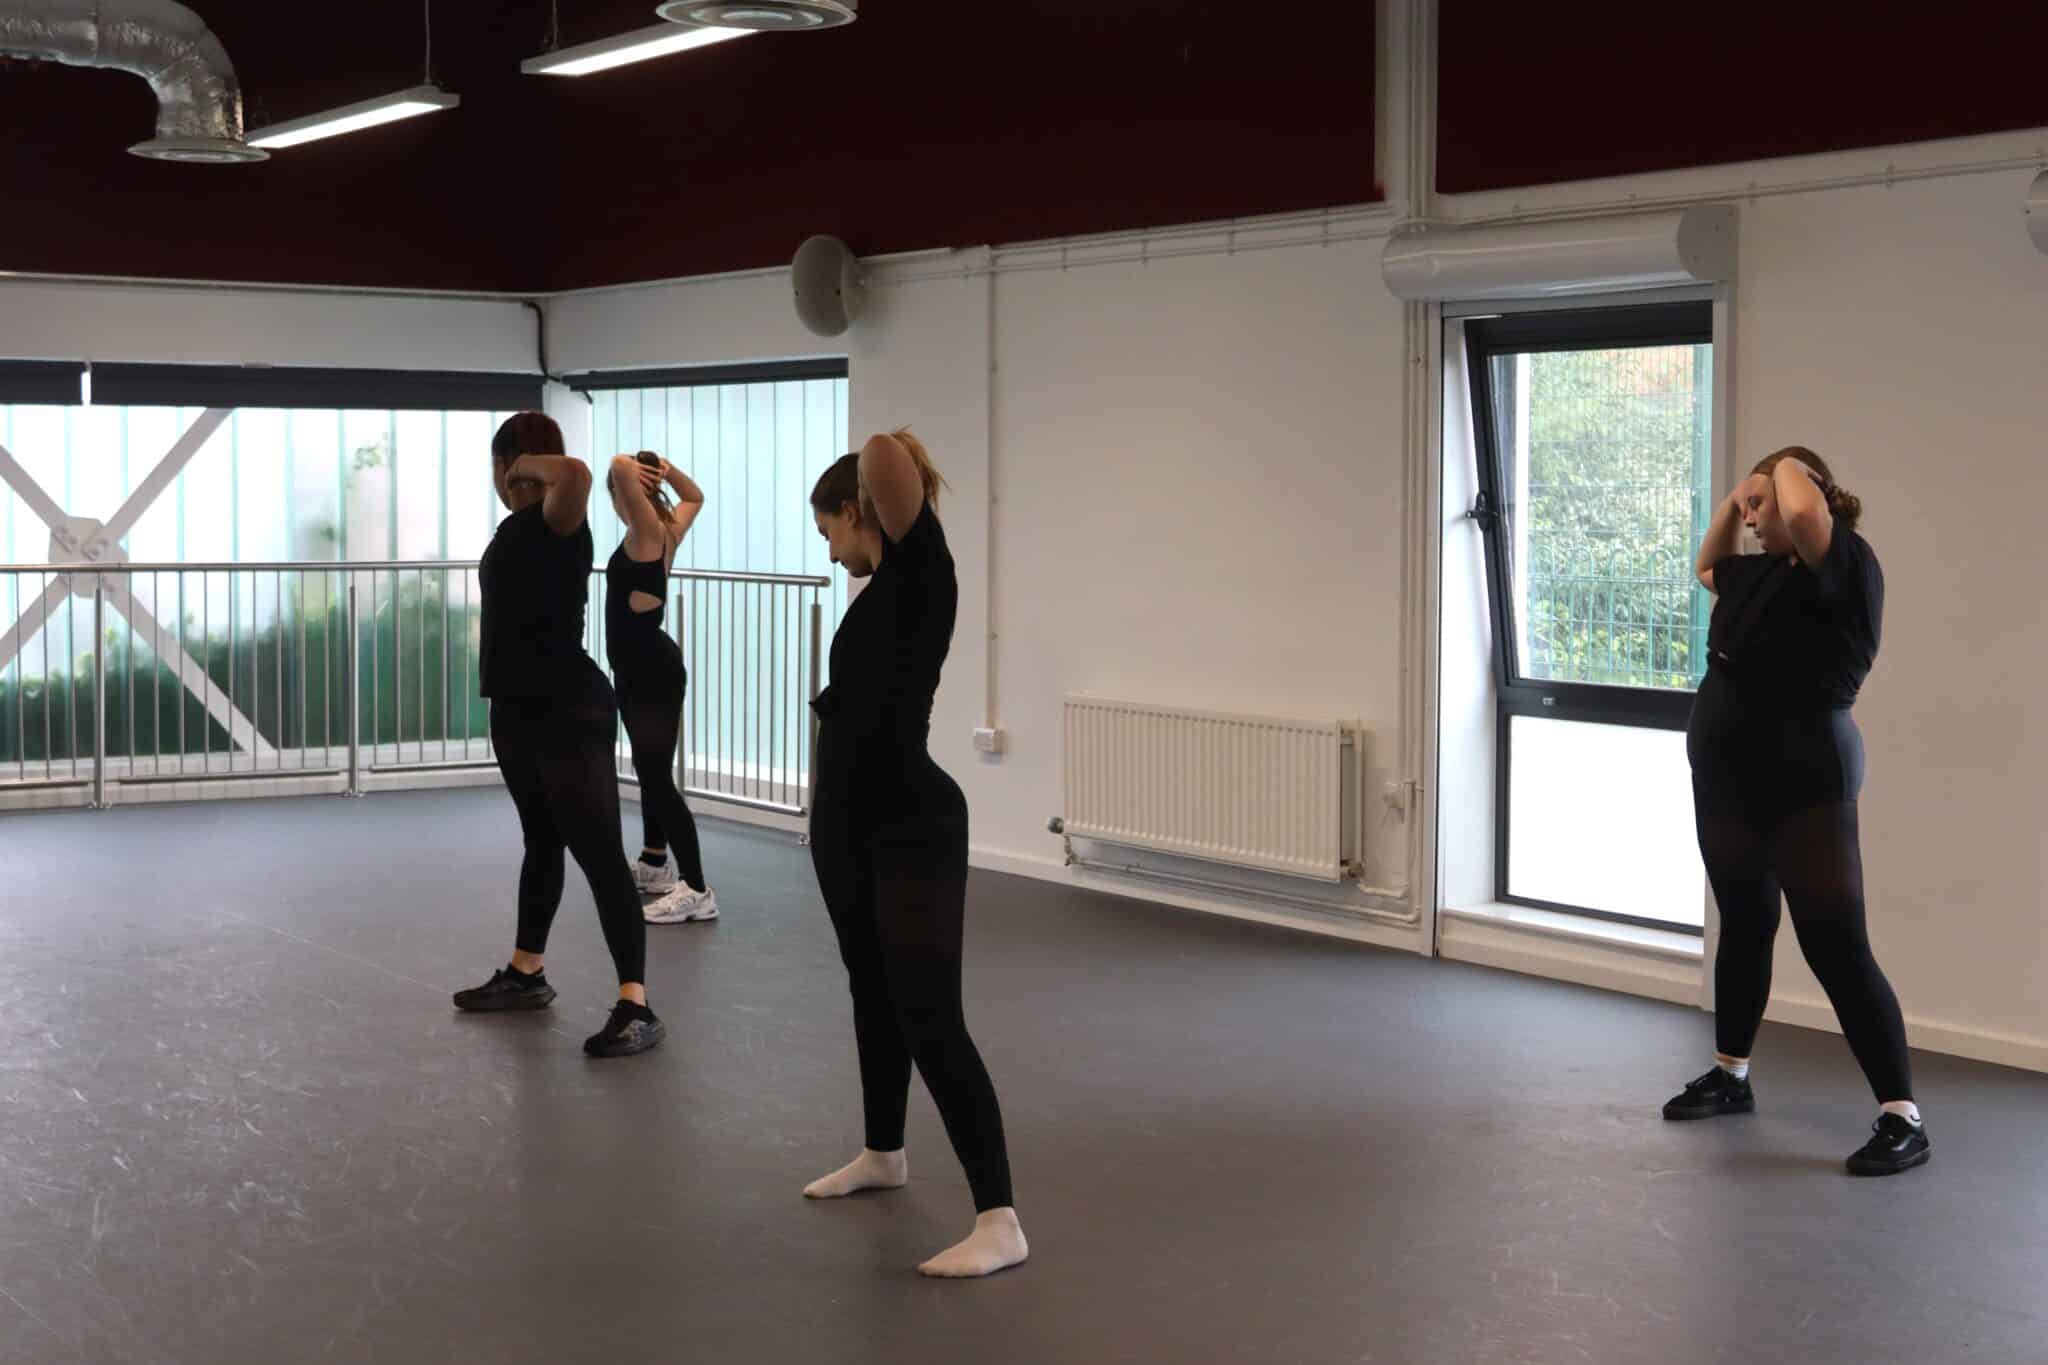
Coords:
pixel 682 905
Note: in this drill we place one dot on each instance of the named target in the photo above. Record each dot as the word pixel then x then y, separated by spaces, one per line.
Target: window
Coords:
pixel 755 439
pixel 207 662
pixel 1595 475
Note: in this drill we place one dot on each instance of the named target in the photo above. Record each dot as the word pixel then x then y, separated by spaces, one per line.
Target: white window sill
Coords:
pixel 1631 938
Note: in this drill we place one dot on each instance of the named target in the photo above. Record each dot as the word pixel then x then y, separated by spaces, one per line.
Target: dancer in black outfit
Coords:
pixel 889 840
pixel 552 722
pixel 1777 764
pixel 647 670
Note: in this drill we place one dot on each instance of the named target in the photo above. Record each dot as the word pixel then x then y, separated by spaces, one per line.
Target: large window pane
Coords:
pixel 1600 818
pixel 1605 468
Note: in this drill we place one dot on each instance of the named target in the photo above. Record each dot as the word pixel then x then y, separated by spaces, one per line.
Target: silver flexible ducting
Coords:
pixel 199 101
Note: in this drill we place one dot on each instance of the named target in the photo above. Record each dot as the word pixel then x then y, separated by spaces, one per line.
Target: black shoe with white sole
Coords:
pixel 1896 1144
pixel 1710 1096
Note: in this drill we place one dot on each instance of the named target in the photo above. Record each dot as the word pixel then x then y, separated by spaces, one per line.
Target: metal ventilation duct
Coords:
pixel 199 101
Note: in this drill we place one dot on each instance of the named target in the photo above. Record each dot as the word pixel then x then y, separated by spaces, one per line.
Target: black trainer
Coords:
pixel 1710 1096
pixel 632 1028
pixel 1896 1144
pixel 507 990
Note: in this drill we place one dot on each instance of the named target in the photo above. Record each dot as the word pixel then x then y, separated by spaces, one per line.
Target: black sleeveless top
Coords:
pixel 891 646
pixel 628 633
pixel 1805 634
pixel 536 590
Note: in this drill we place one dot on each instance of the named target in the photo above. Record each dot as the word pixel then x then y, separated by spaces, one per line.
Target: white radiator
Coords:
pixel 1254 791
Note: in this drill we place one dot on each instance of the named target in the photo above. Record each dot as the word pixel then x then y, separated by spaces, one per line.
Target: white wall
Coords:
pixel 189 325
pixel 1197 468
pixel 1897 331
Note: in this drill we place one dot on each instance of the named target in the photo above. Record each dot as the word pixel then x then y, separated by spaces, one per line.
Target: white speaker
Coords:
pixel 829 288
pixel 2037 212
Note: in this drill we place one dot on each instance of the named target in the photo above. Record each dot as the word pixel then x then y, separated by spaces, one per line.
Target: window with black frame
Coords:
pixel 1594 442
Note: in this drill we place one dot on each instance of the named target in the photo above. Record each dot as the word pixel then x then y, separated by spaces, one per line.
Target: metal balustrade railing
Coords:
pixel 119 674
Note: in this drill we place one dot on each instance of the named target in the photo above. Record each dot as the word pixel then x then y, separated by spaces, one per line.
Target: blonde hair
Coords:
pixel 840 484
pixel 927 472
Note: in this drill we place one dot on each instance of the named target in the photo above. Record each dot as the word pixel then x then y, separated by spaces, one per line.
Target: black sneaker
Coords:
pixel 632 1028
pixel 1710 1096
pixel 507 990
pixel 1896 1144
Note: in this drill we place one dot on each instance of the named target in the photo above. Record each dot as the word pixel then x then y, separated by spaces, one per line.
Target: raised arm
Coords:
pixel 1721 537
pixel 644 526
pixel 1803 507
pixel 689 499
pixel 893 483
pixel 567 481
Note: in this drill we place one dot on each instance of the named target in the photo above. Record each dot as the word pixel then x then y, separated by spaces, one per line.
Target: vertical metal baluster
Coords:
pixel 376 667
pixel 206 642
pixel 234 641
pixel 419 658
pixel 468 673
pixel 49 628
pixel 446 691
pixel 757 632
pixel 398 665
pixel 99 697
pixel 352 685
pixel 781 718
pixel 184 688
pixel 305 738
pixel 731 692
pixel 130 695
pixel 156 669
pixel 277 660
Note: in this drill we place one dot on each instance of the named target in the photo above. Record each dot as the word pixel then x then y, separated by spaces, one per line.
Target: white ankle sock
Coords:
pixel 1738 1067
pixel 996 1243
pixel 1905 1109
pixel 871 1170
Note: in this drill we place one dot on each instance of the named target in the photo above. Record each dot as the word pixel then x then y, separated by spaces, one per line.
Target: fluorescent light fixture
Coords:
pixel 624 48
pixel 421 99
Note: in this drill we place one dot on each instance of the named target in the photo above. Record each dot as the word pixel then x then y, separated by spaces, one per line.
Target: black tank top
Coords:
pixel 629 634
pixel 536 591
pixel 891 647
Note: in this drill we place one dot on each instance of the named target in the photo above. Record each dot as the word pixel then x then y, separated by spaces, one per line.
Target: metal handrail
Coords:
pixel 380 565
pixel 99 581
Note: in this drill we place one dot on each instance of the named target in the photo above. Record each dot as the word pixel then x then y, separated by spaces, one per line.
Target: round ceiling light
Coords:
pixel 766 16
pixel 200 151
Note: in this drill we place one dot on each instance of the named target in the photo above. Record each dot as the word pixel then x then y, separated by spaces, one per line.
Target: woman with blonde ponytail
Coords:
pixel 889 840
pixel 1777 763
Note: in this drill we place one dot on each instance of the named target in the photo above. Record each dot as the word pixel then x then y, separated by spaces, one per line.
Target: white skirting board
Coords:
pixel 1335 924
pixel 1660 977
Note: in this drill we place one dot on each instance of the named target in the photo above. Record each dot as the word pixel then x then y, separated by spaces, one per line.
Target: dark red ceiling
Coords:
pixel 916 127
pixel 1574 89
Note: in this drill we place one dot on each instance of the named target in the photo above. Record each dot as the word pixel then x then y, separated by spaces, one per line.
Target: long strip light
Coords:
pixel 349 118
pixel 621 49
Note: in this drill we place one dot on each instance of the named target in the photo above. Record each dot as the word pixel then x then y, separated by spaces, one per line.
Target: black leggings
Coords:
pixel 557 758
pixel 651 704
pixel 1776 816
pixel 898 900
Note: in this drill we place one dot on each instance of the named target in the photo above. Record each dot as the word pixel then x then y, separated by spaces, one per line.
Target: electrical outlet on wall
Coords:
pixel 989 741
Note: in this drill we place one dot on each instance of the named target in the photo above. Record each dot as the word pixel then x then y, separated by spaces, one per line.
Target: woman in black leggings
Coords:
pixel 552 722
pixel 647 670
pixel 1777 763
pixel 889 840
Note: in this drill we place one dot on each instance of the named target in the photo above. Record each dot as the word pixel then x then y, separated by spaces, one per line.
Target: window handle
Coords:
pixel 1484 512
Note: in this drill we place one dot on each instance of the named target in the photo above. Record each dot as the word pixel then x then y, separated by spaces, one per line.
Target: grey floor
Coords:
pixel 241 1123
